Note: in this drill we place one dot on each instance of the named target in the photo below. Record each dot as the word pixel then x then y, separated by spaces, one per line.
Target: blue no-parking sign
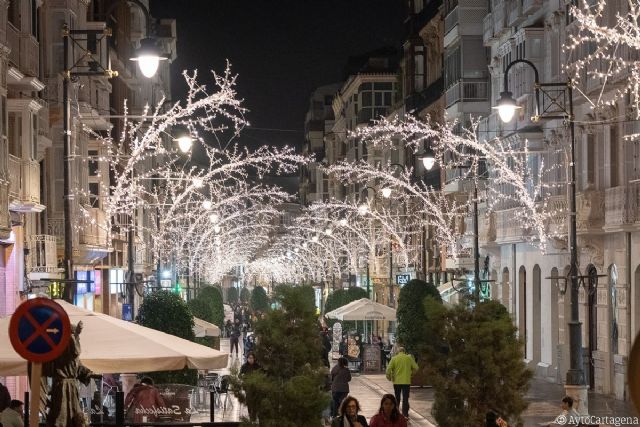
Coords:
pixel 39 330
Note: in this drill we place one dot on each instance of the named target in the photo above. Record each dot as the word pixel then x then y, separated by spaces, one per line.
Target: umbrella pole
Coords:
pixel 119 408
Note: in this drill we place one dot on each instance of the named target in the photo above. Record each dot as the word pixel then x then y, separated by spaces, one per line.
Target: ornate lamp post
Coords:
pixel 558 107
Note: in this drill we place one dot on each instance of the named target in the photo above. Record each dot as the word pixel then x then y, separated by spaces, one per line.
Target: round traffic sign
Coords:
pixel 39 330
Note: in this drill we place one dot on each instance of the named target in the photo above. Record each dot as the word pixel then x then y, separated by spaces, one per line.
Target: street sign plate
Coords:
pixel 402 279
pixel 127 313
pixel 39 330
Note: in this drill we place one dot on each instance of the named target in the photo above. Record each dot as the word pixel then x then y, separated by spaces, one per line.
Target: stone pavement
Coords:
pixel 544 400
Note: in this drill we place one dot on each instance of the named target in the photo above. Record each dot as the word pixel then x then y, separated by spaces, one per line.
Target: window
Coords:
pixel 94 194
pixel 591 161
pixel 374 99
pixel 93 163
pixel 34 135
pixel 452 71
pixel 418 69
pixel 13 13
pixel 613 156
pixel 15 134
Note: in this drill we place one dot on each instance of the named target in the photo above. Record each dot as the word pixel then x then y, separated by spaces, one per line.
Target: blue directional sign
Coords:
pixel 402 279
pixel 39 330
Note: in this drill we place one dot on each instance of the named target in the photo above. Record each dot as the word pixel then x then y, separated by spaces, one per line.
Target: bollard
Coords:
pixel 119 408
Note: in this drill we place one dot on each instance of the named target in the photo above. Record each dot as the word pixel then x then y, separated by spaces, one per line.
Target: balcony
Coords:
pixel 515 16
pixel 418 101
pixel 43 256
pixel 24 51
pixel 531 6
pixel 13 40
pixel 590 207
pixel 92 237
pixel 498 19
pixel 468 90
pixel 487 29
pixel 621 206
pixel 451 20
pixel 24 185
pixel 5 219
pixel 93 227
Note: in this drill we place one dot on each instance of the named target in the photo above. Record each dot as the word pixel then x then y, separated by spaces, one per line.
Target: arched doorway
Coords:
pixel 536 317
pixel 506 291
pixel 522 308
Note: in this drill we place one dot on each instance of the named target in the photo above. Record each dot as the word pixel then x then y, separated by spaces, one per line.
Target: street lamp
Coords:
pixel 428 159
pixel 184 143
pixel 148 57
pixel 575 381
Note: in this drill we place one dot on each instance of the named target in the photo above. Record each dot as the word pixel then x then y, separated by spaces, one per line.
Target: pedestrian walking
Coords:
pixel 349 416
pixel 342 347
pixel 247 368
pixel 340 377
pixel 326 346
pixel 144 401
pixel 235 338
pixel 388 415
pixel 400 370
pixel 13 415
pixel 250 365
pixel 228 327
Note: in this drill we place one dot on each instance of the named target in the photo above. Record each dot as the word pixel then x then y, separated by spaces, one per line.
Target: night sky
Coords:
pixel 282 50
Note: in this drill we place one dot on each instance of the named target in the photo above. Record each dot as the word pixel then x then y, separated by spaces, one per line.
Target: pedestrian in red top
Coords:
pixel 388 414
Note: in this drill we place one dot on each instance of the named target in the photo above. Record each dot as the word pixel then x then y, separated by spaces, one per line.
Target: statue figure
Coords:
pixel 66 370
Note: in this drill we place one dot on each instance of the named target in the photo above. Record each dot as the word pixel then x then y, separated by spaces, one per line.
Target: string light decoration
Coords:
pixel 304 251
pixel 173 197
pixel 602 45
pixel 509 180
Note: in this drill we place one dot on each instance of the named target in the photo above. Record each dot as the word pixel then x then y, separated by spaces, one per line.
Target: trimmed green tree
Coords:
pixel 411 312
pixel 156 308
pixel 259 302
pixel 208 305
pixel 232 295
pixel 476 366
pixel 288 391
pixel 245 295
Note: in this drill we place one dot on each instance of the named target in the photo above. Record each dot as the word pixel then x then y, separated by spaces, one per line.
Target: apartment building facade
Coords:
pixel 31 154
pixel 607 203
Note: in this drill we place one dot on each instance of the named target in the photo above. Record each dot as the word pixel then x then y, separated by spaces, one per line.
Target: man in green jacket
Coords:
pixel 401 367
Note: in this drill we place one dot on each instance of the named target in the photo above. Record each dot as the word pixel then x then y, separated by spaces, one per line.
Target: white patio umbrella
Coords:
pixel 363 309
pixel 202 328
pixel 111 345
pixel 333 314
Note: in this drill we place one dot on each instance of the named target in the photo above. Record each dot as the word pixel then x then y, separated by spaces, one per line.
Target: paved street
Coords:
pixel 544 401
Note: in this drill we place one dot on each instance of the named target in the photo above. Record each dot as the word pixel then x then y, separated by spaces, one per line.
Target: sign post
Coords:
pixel 39 331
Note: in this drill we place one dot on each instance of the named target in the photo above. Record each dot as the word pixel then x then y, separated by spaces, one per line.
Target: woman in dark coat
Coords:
pixel 349 411
pixel 340 377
